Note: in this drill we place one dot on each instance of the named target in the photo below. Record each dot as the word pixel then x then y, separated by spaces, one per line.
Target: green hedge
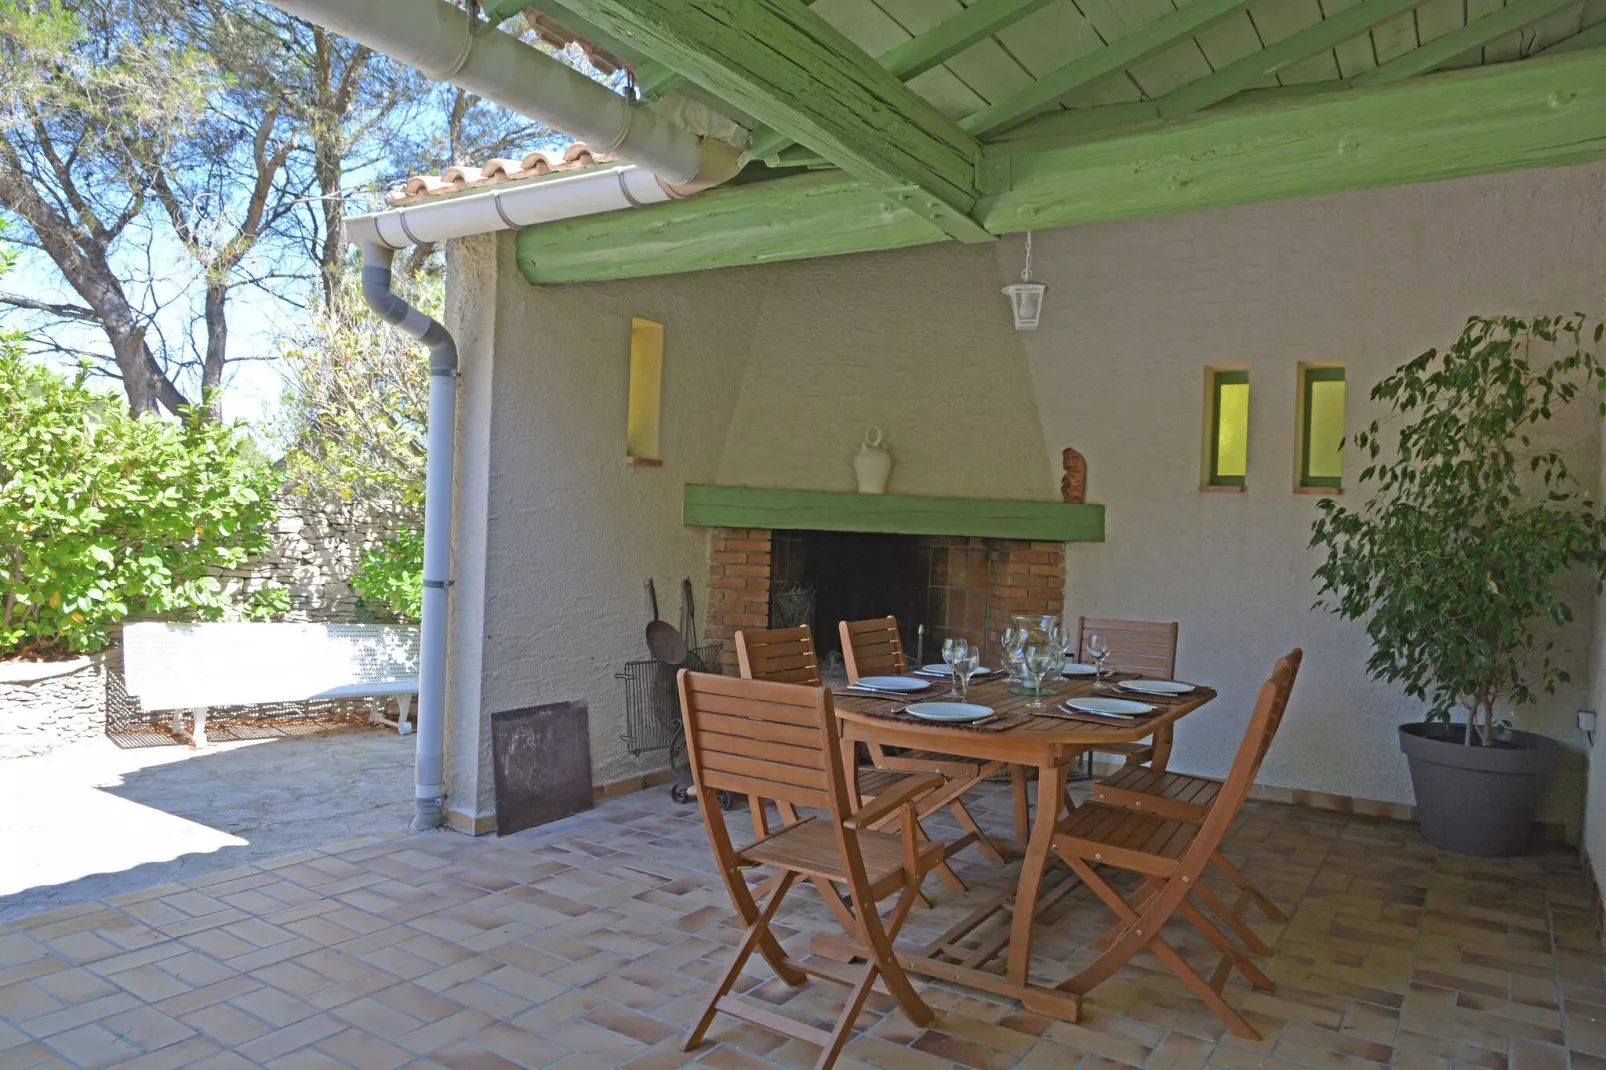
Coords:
pixel 103 516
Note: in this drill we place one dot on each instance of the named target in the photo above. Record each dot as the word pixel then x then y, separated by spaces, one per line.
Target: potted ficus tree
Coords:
pixel 1455 562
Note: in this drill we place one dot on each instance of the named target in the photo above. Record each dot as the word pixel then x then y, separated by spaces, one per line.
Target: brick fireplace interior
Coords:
pixel 954 585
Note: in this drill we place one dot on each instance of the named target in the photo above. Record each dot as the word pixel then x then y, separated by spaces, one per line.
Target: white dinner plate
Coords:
pixel 905 684
pixel 943 670
pixel 1076 668
pixel 948 711
pixel 1157 687
pixel 1109 707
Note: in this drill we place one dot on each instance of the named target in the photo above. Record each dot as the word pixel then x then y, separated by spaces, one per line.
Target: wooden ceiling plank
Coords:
pixel 1440 50
pixel 789 68
pixel 1528 114
pixel 1245 73
pixel 1114 57
pixel 953 35
pixel 1593 37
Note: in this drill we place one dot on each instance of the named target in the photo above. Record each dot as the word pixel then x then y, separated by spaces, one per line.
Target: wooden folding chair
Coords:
pixel 1181 797
pixel 874 648
pixel 786 655
pixel 1170 856
pixel 1138 646
pixel 780 742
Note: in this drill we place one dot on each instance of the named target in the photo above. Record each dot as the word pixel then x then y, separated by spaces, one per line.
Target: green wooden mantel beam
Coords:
pixel 891 514
pixel 1534 113
pixel 787 67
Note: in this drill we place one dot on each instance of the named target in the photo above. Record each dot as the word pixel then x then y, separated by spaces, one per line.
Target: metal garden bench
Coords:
pixel 195 667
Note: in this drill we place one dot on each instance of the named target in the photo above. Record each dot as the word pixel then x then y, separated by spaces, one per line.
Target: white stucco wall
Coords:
pixel 773 373
pixel 572 529
pixel 1136 312
pixel 917 343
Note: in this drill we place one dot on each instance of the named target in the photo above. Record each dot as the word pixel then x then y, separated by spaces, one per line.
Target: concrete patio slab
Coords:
pixel 92 819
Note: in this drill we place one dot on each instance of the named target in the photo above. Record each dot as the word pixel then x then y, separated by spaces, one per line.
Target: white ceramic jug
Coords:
pixel 873 464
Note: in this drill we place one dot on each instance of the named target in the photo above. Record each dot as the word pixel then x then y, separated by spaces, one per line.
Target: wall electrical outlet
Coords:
pixel 1586 721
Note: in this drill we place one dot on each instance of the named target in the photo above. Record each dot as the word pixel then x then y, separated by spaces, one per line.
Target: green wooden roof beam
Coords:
pixel 823 213
pixel 1117 56
pixel 953 35
pixel 787 67
pixel 1295 48
pixel 1475 34
pixel 1501 117
pixel 1590 37
pixel 1527 114
pixel 919 54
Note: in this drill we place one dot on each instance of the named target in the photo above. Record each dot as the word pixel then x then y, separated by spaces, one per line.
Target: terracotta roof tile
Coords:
pixel 500 169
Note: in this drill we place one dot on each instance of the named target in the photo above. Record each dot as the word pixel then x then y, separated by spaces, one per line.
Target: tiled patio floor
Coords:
pixel 588 944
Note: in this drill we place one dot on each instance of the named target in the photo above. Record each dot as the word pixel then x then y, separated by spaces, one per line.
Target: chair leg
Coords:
pixel 968 823
pixel 1248 887
pixel 1232 920
pixel 878 941
pixel 757 930
pixel 1230 955
pixel 1130 941
pixel 850 1014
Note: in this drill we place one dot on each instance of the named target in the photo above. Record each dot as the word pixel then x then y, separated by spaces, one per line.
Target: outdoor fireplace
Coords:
pixel 954 585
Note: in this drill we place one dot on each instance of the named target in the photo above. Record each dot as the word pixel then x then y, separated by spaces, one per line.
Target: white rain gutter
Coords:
pixel 670 161
pixel 562 196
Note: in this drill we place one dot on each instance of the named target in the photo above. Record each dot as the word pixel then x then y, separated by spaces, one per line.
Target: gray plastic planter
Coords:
pixel 1477 800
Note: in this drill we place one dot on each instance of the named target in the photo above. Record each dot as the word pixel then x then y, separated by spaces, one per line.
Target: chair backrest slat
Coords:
pixel 776 741
pixel 1141 646
pixel 1263 722
pixel 872 647
pixel 785 655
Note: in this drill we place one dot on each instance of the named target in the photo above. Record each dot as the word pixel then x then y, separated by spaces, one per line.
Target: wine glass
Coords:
pixel 1009 648
pixel 1098 648
pixel 952 649
pixel 965 665
pixel 1040 661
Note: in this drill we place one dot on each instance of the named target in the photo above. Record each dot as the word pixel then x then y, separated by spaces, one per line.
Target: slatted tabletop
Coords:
pixel 1041 740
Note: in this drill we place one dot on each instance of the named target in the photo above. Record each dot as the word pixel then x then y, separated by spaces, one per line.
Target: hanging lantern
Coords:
pixel 1026 296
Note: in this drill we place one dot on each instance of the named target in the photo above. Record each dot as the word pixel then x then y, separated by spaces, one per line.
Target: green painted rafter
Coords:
pixel 1475 34
pixel 790 69
pixel 1280 55
pixel 1589 37
pixel 953 35
pixel 1118 55
pixel 1526 114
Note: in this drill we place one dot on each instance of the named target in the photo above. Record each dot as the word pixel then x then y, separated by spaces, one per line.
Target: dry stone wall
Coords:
pixel 46 704
pixel 314 554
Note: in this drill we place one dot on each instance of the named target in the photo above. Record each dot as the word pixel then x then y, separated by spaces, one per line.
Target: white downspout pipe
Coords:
pixel 438 39
pixel 429 788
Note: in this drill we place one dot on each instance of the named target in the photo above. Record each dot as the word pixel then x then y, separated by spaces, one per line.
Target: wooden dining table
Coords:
pixel 1023 738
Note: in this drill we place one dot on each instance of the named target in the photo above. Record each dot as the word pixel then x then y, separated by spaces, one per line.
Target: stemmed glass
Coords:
pixel 951 650
pixel 965 663
pixel 1098 649
pixel 1014 640
pixel 1040 661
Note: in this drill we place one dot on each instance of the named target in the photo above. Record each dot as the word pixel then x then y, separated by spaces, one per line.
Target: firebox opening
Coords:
pixel 938 582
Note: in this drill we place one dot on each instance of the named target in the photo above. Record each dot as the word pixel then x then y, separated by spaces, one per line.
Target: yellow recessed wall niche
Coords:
pixel 1227 427
pixel 642 439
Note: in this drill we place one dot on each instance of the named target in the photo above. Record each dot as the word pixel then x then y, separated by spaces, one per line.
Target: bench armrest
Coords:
pixel 905 793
